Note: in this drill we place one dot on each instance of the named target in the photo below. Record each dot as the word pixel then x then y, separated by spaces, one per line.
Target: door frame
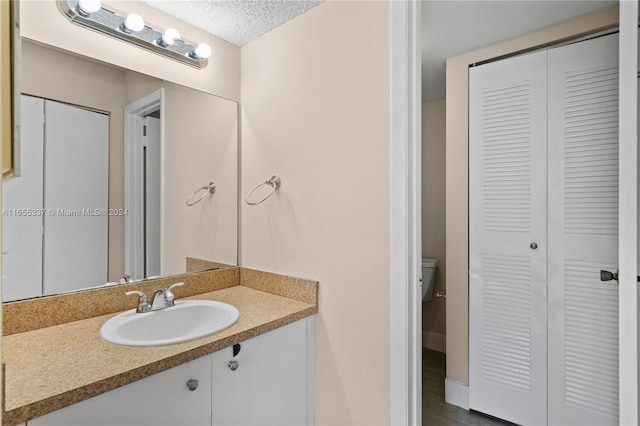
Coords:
pixel 628 211
pixel 405 212
pixel 457 180
pixel 133 180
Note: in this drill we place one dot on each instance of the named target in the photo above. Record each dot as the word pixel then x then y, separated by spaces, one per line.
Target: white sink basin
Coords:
pixel 187 320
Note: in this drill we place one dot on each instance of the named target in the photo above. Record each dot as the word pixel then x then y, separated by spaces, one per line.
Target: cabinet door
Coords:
pixel 583 232
pixel 269 387
pixel 507 239
pixel 161 399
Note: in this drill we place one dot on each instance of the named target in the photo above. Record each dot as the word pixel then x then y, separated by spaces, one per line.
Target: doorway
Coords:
pixel 143 187
pixel 457 180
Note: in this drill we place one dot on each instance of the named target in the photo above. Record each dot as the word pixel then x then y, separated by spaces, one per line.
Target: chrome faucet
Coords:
pixel 162 298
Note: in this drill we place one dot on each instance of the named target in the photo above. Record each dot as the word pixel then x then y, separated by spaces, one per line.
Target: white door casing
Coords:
pixel 134 259
pixel 405 205
pixel 153 197
pixel 628 230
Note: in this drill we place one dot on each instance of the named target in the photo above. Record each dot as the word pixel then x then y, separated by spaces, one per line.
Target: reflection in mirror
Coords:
pixel 106 161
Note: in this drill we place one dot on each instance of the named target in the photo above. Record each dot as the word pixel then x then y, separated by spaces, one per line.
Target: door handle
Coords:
pixel 610 276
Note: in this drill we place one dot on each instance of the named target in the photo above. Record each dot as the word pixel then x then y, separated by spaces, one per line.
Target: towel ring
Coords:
pixel 209 188
pixel 275 183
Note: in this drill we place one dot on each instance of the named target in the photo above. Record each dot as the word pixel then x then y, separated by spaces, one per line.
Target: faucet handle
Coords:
pixel 169 297
pixel 143 303
pixel 172 286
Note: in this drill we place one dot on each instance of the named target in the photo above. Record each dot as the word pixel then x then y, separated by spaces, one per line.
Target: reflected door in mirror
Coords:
pixel 53 219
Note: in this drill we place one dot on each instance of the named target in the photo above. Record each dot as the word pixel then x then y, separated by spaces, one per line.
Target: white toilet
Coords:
pixel 428 278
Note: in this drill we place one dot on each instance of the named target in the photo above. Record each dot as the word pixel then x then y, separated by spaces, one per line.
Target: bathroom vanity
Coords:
pixel 72 377
pixel 168 182
pixel 265 383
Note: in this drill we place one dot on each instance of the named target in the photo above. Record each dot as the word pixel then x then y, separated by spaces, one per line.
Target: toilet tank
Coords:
pixel 428 278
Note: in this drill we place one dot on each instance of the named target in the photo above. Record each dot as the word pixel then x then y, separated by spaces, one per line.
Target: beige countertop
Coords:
pixel 49 368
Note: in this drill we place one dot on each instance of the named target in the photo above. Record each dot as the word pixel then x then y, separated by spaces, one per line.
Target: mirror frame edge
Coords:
pixel 9 45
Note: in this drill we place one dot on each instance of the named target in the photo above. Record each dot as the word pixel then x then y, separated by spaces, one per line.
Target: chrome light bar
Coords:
pixel 91 14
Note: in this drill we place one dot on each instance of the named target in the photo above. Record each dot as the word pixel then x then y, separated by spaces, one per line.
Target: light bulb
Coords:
pixel 133 23
pixel 169 37
pixel 87 7
pixel 202 51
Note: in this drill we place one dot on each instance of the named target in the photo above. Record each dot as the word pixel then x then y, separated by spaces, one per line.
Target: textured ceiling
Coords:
pixel 450 27
pixel 237 21
pixel 453 27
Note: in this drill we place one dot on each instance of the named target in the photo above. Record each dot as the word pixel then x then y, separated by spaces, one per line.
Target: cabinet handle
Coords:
pixel 192 384
pixel 233 365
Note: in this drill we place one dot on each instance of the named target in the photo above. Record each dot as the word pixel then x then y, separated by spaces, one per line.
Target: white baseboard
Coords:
pixel 434 341
pixel 456 393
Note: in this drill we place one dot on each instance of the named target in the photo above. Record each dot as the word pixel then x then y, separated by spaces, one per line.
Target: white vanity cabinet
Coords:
pixel 160 399
pixel 272 385
pixel 267 382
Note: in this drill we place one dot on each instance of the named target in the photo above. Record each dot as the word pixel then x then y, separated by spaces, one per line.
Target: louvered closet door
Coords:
pixel 508 211
pixel 583 232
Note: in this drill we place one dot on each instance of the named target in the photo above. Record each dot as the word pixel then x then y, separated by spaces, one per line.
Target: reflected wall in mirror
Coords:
pixel 106 161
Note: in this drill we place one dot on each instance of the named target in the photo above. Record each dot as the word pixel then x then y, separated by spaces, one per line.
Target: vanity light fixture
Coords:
pixel 133 23
pixel 201 51
pixel 169 37
pixel 87 7
pixel 132 29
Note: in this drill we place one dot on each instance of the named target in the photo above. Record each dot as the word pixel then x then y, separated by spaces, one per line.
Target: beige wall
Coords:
pixel 43 22
pixel 457 164
pixel 315 110
pixel 434 219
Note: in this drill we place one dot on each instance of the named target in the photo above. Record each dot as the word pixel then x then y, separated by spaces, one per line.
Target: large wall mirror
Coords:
pixel 107 162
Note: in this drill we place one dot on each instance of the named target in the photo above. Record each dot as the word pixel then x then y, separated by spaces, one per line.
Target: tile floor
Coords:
pixel 436 412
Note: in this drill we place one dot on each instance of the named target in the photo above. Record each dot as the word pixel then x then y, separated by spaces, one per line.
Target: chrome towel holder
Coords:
pixel 209 188
pixel 274 182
